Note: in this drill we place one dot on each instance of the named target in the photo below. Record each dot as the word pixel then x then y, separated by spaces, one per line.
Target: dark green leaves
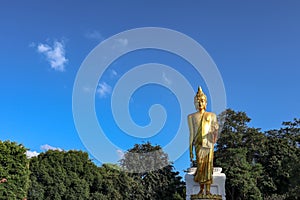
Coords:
pixel 258 165
pixel 14 166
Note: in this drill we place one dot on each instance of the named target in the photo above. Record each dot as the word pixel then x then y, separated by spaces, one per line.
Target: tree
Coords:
pixel 14 171
pixel 72 175
pixel 237 150
pixel 282 158
pixel 143 158
pixel 117 184
pixel 62 175
pixel 258 165
pixel 149 166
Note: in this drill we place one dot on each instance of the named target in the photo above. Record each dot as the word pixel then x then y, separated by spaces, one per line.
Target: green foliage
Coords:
pixel 116 184
pixel 61 175
pixel 14 167
pixel 144 158
pixel 71 175
pixel 236 153
pixel 151 169
pixel 282 158
pixel 258 165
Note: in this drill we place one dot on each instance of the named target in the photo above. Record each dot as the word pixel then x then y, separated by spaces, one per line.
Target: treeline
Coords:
pixel 71 175
pixel 258 165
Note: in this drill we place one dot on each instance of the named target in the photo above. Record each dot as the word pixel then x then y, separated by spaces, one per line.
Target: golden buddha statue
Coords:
pixel 203 128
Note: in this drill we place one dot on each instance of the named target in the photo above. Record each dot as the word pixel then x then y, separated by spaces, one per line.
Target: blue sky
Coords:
pixel 254 44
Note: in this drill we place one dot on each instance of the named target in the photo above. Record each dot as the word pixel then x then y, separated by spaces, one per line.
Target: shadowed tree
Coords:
pixel 258 165
pixel 149 166
pixel 282 158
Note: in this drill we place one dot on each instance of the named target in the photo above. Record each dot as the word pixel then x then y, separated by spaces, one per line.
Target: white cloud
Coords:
pixel 166 79
pixel 113 73
pixel 55 55
pixel 120 154
pixel 94 35
pixel 42 48
pixel 47 147
pixel 103 90
pixel 31 154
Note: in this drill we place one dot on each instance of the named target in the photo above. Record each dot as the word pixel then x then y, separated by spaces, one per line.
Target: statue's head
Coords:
pixel 200 100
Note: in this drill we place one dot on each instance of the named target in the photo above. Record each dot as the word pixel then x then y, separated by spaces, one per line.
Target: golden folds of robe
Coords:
pixel 204 147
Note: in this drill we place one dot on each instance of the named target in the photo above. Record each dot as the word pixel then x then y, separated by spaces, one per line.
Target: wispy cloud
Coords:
pixel 94 35
pixel 55 55
pixel 31 154
pixel 103 90
pixel 113 73
pixel 47 147
pixel 167 80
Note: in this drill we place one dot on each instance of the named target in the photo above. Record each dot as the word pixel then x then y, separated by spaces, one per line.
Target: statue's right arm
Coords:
pixel 190 123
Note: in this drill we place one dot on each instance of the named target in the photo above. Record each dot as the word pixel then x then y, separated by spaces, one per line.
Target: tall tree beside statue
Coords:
pixel 237 150
pixel 258 165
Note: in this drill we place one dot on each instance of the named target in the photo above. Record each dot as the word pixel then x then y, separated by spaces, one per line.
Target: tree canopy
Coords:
pixel 14 171
pixel 258 165
pixel 60 175
pixel 151 168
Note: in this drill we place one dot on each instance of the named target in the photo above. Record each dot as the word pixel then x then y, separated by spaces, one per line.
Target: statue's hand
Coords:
pixel 215 137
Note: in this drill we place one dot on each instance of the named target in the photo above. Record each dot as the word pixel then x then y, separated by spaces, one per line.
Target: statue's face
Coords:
pixel 200 103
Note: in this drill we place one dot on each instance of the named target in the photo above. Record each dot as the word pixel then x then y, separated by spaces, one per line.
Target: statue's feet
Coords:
pixel 201 192
pixel 208 193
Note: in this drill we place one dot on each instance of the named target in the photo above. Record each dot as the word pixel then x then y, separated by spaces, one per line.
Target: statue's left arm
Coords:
pixel 190 123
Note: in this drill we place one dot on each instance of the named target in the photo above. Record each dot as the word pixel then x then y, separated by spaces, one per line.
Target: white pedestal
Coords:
pixel 218 186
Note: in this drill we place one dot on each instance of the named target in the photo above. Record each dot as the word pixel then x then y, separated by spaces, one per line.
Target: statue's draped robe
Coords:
pixel 204 147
